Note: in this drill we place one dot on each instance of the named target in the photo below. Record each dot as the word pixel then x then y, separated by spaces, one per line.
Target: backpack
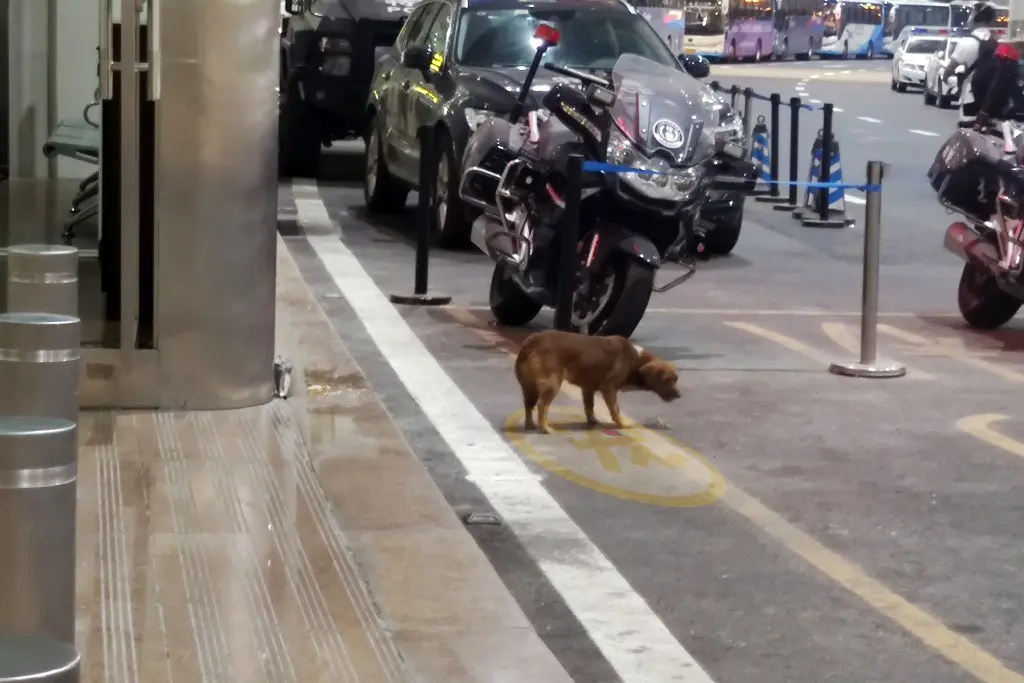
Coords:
pixel 991 84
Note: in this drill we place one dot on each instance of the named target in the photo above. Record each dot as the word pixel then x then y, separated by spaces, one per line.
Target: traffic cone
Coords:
pixel 760 154
pixel 809 214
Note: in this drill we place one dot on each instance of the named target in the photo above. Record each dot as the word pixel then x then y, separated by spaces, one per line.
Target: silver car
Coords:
pixel 910 58
pixel 936 91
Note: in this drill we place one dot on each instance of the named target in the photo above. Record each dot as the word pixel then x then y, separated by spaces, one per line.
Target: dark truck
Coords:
pixel 329 49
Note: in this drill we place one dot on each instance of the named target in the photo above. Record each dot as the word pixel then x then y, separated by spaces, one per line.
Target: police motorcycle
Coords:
pixel 978 173
pixel 657 120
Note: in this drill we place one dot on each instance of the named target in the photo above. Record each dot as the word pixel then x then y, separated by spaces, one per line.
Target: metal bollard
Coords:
pixel 38 659
pixel 773 160
pixel 39 367
pixel 424 225
pixel 748 106
pixel 38 483
pixel 868 365
pixel 826 160
pixel 794 155
pixel 42 278
pixel 570 229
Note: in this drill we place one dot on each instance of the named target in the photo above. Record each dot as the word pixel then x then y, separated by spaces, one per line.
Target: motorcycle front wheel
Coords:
pixel 982 304
pixel 615 300
pixel 510 305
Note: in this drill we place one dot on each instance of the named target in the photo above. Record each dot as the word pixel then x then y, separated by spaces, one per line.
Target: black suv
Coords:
pixel 457 62
pixel 329 49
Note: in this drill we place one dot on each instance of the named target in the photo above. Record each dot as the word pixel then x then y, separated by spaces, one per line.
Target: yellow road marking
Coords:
pixel 842 337
pixel 952 348
pixel 925 627
pixel 978 427
pixel 616 454
pixel 785 342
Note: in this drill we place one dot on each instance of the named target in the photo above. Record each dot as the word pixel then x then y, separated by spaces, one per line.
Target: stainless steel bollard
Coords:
pixel 38 659
pixel 868 366
pixel 39 365
pixel 42 278
pixel 38 483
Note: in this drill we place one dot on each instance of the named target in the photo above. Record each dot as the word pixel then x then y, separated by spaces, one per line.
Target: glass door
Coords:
pixel 129 88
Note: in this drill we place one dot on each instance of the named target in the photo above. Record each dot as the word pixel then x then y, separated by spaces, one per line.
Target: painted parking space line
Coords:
pixel 854 199
pixel 953 348
pixel 924 626
pixel 622 463
pixel 979 427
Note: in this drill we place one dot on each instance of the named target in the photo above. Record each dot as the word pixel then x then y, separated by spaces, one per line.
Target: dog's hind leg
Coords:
pixel 530 397
pixel 588 407
pixel 611 399
pixel 547 397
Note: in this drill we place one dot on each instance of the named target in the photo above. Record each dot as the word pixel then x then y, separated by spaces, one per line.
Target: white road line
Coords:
pixel 817 102
pixel 839 110
pixel 927 133
pixel 854 199
pixel 629 634
pixel 869 119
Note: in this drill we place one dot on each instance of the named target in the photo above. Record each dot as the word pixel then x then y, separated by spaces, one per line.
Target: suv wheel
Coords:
pixel 449 212
pixel 381 192
pixel 300 137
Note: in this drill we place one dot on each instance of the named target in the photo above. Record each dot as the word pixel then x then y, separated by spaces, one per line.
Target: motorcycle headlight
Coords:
pixel 664 183
pixel 475 117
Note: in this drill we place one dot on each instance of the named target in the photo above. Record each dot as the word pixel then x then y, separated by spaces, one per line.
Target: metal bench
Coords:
pixel 75 139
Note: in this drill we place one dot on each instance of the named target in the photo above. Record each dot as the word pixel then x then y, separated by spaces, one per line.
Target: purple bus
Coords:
pixel 729 29
pixel 798 28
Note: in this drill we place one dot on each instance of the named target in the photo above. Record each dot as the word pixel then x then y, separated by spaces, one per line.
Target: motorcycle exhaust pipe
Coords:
pixel 964 242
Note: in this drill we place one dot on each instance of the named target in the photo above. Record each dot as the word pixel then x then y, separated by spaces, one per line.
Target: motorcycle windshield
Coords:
pixel 664 111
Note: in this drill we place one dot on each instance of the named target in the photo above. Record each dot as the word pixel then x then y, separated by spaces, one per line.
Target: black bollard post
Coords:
pixel 826 160
pixel 748 101
pixel 570 229
pixel 734 94
pixel 773 161
pixel 424 225
pixel 794 154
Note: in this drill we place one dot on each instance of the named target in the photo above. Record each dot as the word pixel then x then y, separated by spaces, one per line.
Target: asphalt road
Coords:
pixel 779 523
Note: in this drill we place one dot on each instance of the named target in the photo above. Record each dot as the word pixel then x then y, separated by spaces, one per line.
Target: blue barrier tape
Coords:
pixel 602 167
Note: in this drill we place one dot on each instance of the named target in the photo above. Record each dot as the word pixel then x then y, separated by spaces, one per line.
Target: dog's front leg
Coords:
pixel 611 399
pixel 588 407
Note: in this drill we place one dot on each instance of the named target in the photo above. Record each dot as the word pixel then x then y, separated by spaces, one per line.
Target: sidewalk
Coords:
pixel 301 541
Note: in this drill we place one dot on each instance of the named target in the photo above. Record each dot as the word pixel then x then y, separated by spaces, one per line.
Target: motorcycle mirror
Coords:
pixel 547 34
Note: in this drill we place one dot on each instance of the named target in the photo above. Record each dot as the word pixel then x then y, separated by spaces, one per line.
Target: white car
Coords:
pixel 935 90
pixel 910 58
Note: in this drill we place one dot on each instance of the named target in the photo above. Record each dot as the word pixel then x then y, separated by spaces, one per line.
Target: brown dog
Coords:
pixel 594 364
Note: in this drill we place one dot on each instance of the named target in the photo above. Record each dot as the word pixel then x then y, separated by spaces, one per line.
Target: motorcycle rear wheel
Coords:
pixel 632 284
pixel 982 304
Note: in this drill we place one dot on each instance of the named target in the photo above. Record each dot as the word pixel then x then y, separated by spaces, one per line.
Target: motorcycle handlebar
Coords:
pixel 573 73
